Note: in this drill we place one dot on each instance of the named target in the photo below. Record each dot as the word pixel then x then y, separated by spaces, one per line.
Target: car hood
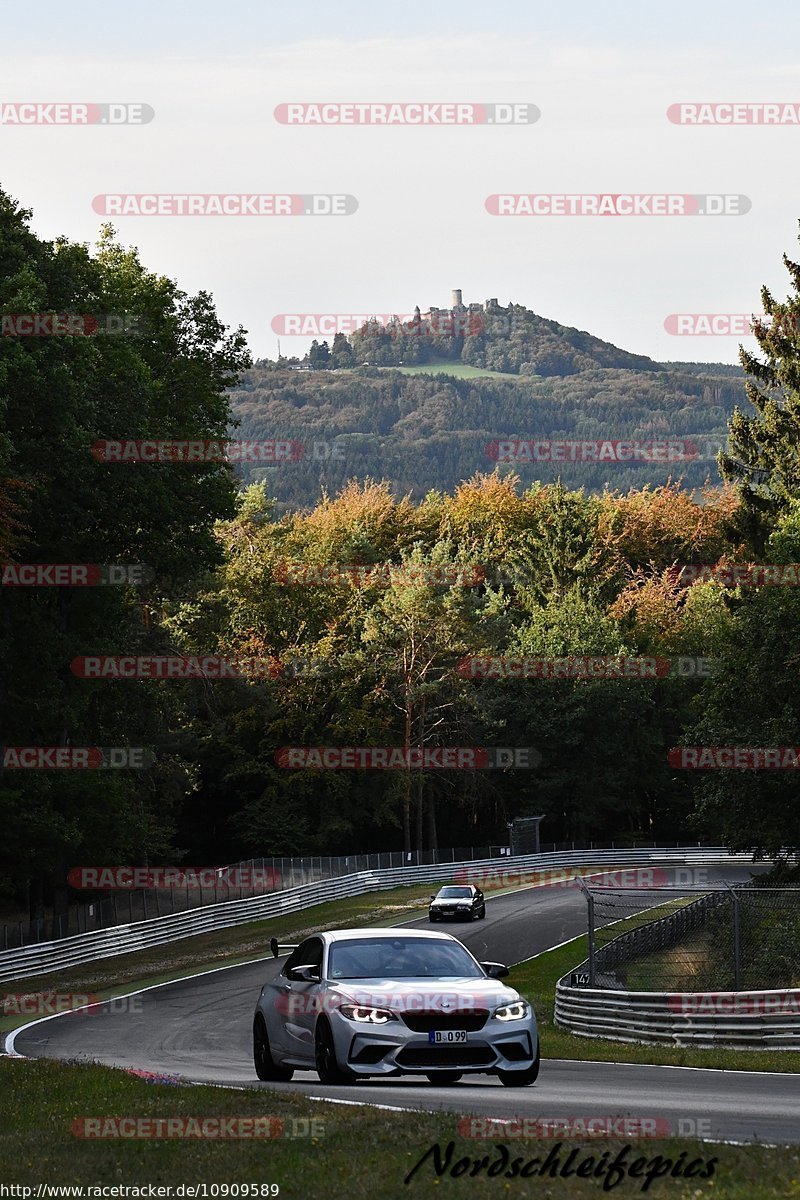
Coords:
pixel 425 995
pixel 451 903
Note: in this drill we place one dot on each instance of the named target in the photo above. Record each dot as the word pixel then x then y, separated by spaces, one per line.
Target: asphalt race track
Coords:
pixel 200 1029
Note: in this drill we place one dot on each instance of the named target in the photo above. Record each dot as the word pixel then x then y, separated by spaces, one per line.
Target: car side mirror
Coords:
pixel 433 897
pixel 495 970
pixel 305 974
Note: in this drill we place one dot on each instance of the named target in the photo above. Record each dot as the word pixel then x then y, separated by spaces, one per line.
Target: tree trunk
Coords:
pixel 407 795
pixel 433 841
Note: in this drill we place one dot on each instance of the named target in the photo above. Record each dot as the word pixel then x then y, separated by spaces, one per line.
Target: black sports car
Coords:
pixel 457 902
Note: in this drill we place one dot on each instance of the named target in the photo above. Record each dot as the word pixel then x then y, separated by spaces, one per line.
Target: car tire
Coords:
pixel 445 1077
pixel 521 1078
pixel 266 1068
pixel 483 913
pixel 325 1061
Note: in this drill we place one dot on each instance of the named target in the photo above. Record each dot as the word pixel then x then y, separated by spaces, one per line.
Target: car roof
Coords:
pixel 343 935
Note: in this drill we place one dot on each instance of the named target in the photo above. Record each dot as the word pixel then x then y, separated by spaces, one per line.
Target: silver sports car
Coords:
pixel 358 1002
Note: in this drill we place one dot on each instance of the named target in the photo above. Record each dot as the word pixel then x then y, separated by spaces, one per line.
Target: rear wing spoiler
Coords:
pixel 279 948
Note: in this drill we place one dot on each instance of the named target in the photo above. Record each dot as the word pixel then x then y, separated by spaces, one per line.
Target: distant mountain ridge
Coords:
pixel 358 413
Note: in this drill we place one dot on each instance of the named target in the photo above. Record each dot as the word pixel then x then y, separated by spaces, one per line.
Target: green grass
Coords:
pixel 458 370
pixel 536 979
pixel 359 1153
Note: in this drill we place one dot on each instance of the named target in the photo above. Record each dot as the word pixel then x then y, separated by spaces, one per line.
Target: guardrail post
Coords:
pixel 589 926
pixel 737 947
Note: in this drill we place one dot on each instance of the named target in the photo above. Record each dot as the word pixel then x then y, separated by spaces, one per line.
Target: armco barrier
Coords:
pixel 749 1020
pixel 46 957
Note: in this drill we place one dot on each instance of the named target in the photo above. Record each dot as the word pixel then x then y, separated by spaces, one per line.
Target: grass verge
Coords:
pixel 359 1153
pixel 458 370
pixel 536 979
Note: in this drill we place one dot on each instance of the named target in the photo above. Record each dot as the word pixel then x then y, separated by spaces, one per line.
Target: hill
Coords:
pixel 415 408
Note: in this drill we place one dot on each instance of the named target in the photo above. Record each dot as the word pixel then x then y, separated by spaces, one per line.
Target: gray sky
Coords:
pixel 603 77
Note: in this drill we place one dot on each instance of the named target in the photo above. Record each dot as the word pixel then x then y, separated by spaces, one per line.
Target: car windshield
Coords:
pixel 454 893
pixel 400 958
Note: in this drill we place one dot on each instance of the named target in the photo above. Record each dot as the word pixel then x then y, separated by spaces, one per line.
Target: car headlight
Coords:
pixel 515 1011
pixel 365 1015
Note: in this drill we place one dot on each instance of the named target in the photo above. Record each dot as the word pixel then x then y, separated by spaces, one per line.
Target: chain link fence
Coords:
pixel 102 910
pixel 732 938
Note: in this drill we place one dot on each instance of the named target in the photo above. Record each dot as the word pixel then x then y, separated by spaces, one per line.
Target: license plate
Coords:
pixel 447 912
pixel 446 1037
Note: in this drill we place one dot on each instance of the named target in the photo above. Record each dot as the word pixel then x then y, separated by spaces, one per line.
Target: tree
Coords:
pixel 60 395
pixel 764 455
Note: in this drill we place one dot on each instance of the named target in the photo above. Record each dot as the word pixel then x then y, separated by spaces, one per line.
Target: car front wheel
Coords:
pixel 266 1067
pixel 327 1066
pixel 521 1078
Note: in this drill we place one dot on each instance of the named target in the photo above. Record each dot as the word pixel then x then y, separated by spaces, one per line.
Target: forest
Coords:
pixel 414 566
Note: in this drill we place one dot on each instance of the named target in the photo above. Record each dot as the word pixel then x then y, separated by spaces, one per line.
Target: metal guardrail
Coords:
pixel 46 957
pixel 748 1020
pixel 754 1019
pixel 241 880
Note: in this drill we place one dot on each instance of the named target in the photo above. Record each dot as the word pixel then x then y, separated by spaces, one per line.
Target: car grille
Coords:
pixel 424 1022
pixel 446 1056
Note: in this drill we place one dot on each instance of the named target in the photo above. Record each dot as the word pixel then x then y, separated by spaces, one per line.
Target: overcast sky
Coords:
pixel 603 76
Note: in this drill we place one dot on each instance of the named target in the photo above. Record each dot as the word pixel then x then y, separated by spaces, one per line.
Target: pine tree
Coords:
pixel 763 459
